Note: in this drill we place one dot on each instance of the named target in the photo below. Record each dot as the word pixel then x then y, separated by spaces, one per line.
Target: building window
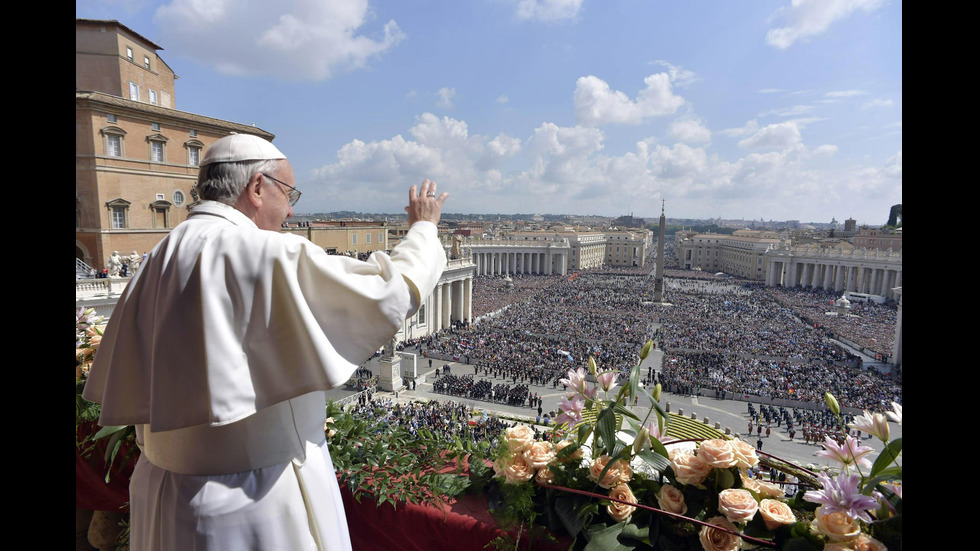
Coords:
pixel 129 53
pixel 118 213
pixel 156 151
pixel 146 61
pixel 353 239
pixel 367 238
pixel 153 100
pixel 381 237
pixel 193 156
pixel 113 145
pixel 155 125
pixel 112 140
pixel 178 198
pixel 422 314
pixel 193 133
pixel 110 118
pixel 161 214
pixel 158 147
pixel 134 91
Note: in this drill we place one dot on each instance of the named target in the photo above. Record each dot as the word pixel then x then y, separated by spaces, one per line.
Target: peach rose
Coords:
pixel 620 512
pixel 671 499
pixel 716 540
pixel 539 454
pixel 717 453
pixel 688 468
pixel 769 489
pixel 775 513
pixel 545 476
pixel 737 505
pixel 838 527
pixel 518 438
pixel 750 483
pixel 745 456
pixel 619 473
pixel 577 454
pixel 514 470
pixel 865 542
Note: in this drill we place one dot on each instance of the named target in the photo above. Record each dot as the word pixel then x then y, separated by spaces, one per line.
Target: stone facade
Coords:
pixel 136 156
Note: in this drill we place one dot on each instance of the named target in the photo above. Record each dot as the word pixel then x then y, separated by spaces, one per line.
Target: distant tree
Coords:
pixel 895 216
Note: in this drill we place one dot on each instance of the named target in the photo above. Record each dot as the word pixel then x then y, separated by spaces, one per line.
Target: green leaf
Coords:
pixel 607 539
pixel 887 456
pixel 108 431
pixel 634 532
pixel 606 427
pixel 725 478
pixel 634 384
pixel 655 460
pixel 567 507
pixel 656 405
pixel 625 411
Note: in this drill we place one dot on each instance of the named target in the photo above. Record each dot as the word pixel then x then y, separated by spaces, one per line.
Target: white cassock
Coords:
pixel 219 352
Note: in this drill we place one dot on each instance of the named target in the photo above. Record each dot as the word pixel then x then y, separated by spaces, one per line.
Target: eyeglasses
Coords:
pixel 293 194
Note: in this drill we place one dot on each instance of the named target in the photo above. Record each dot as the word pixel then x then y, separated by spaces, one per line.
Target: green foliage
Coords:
pixel 387 463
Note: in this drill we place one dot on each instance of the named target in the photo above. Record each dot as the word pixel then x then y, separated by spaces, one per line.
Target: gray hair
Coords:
pixel 224 182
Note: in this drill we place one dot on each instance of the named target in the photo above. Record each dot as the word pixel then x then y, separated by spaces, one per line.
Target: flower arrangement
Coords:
pixel 607 480
pixel 119 449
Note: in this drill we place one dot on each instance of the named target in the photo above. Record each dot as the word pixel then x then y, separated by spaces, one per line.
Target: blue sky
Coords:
pixel 761 109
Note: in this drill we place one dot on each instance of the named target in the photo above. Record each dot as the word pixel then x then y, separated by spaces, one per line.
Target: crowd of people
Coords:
pixel 753 344
pixel 719 335
pixel 557 325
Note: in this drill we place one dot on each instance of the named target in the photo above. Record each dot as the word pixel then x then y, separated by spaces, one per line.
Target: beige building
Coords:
pixel 741 254
pixel 628 248
pixel 343 237
pixel 136 155
pixel 882 240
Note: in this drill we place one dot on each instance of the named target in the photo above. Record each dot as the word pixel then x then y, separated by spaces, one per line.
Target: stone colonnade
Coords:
pixel 860 271
pixel 452 300
pixel 520 259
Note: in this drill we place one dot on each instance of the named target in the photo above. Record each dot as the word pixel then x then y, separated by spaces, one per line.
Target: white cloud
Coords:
pixel 846 93
pixel 893 166
pixel 825 151
pixel 445 96
pixel 679 76
pixel 502 99
pixel 597 104
pixel 569 169
pixel 282 36
pixel 805 19
pixel 547 10
pixel 690 131
pixel 880 102
pixel 750 127
pixel 781 135
pixel 792 111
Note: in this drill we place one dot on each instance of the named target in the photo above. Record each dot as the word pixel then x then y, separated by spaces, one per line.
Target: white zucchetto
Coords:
pixel 241 147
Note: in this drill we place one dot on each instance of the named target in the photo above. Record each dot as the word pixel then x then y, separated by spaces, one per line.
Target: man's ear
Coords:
pixel 254 191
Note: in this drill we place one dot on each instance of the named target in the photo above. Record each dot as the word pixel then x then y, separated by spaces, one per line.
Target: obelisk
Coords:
pixel 658 281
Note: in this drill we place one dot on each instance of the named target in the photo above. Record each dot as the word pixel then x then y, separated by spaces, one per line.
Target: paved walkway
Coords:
pixel 731 414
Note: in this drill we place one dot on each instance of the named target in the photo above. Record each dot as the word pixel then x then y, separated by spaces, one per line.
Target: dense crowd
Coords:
pixel 446 421
pixel 868 324
pixel 755 344
pixel 555 328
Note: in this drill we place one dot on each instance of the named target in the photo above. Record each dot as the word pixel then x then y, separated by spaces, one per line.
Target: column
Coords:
pixel 447 304
pixel 436 313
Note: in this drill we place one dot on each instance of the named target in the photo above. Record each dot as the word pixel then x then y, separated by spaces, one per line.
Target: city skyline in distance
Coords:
pixel 768 110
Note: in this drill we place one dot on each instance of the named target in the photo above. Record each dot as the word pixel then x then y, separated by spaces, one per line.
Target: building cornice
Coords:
pixel 115 104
